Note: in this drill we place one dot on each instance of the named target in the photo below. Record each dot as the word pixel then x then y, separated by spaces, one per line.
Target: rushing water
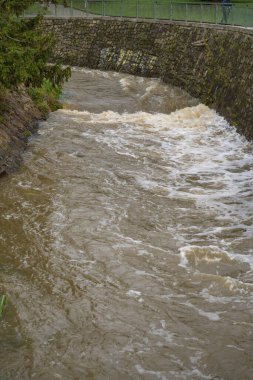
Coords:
pixel 126 240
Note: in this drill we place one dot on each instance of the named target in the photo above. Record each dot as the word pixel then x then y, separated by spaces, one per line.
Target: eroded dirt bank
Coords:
pixel 18 120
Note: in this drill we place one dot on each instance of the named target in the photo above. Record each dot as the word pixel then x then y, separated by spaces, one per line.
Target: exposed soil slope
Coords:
pixel 18 121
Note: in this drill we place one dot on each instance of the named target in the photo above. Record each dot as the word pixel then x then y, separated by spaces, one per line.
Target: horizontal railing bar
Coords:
pixel 239 14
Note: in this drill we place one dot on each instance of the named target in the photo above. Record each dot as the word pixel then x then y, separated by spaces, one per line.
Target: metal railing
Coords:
pixel 235 14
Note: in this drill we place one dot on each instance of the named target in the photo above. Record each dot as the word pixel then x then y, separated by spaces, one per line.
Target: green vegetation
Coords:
pixel 46 96
pixel 186 10
pixel 208 11
pixel 3 300
pixel 25 51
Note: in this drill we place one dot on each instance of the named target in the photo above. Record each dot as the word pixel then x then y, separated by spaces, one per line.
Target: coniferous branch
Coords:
pixel 24 51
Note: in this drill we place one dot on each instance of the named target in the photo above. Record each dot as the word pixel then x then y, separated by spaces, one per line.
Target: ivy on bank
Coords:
pixel 25 52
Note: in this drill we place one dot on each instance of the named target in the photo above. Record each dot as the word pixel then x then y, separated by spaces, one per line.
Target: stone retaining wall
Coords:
pixel 212 63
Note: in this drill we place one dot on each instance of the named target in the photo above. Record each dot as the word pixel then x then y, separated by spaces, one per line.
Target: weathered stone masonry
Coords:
pixel 212 63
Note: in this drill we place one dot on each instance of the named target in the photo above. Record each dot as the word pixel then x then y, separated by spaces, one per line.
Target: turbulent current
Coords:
pixel 126 240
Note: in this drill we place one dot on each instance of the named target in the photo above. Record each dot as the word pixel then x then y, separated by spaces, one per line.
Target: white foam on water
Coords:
pixel 183 257
pixel 28 185
pixel 133 293
pixel 181 375
pixel 157 374
pixel 197 117
pixel 144 273
pixel 214 299
pixel 11 216
pixel 92 73
pixel 190 374
pixel 128 84
pixel 234 347
pixel 146 183
pixel 204 160
pixel 209 254
pixel 209 315
pixel 167 336
pixel 196 358
pixel 214 260
pixel 143 252
pixel 244 258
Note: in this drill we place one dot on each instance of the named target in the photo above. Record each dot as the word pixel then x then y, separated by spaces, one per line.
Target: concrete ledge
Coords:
pixel 238 28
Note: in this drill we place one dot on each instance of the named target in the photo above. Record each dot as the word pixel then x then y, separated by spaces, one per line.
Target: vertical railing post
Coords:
pixel 186 11
pixel 201 13
pixel 171 11
pixel 103 7
pixel 137 8
pixel 71 9
pixel 121 8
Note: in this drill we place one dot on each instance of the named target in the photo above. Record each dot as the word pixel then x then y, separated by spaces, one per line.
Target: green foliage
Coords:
pixel 24 51
pixel 17 7
pixel 27 133
pixel 3 300
pixel 46 96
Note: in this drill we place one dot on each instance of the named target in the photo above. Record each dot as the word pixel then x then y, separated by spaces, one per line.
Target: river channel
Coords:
pixel 126 240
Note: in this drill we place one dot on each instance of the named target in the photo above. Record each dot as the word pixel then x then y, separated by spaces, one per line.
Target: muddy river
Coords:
pixel 126 240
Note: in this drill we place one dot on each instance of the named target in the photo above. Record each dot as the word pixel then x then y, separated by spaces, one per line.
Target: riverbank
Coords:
pixel 18 121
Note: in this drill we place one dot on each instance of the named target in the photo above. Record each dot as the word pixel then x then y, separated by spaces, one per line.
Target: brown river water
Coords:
pixel 126 240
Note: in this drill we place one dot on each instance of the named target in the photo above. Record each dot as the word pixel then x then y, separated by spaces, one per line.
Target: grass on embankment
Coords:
pixel 3 300
pixel 46 97
pixel 241 13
